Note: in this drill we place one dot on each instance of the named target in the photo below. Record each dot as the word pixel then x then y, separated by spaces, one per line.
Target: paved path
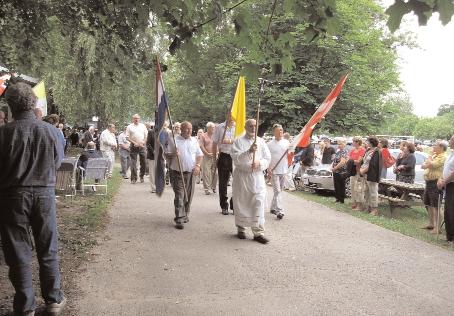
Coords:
pixel 319 262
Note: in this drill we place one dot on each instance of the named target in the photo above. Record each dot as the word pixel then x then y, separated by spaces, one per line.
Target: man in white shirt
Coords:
pixel 136 133
pixel 278 168
pixel 222 142
pixel 447 182
pixel 249 188
pixel 190 158
pixel 108 143
pixel 124 147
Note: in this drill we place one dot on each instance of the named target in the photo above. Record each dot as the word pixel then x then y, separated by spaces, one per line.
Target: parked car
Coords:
pixel 320 178
pixel 419 172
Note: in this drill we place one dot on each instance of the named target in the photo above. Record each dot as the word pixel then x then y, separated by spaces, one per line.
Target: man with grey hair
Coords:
pixel 208 168
pixel 108 143
pixel 89 136
pixel 137 133
pixel 446 182
pixel 29 158
pixel 183 170
pixel 278 168
pixel 251 157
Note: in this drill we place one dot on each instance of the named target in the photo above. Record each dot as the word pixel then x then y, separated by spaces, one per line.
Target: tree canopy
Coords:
pixel 98 57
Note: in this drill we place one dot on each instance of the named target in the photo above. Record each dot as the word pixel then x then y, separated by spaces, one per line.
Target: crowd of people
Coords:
pixel 31 151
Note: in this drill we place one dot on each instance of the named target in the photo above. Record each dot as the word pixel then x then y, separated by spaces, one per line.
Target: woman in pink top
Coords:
pixel 356 154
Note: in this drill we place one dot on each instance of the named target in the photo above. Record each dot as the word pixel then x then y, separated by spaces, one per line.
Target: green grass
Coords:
pixel 97 205
pixel 407 221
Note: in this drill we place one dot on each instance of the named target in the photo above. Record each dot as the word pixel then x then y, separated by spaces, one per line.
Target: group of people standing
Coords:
pixel 366 165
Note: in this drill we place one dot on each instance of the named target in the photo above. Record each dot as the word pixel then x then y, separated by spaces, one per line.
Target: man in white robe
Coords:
pixel 249 188
pixel 278 168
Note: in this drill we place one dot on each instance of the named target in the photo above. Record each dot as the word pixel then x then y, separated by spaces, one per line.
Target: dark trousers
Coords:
pixel 339 187
pixel 182 207
pixel 20 209
pixel 224 171
pixel 449 211
pixel 142 160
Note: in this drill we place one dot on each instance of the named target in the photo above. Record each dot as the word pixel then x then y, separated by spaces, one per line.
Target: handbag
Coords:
pixel 360 184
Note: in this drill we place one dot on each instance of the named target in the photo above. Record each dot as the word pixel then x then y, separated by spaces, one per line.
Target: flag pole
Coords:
pixel 261 90
pixel 173 138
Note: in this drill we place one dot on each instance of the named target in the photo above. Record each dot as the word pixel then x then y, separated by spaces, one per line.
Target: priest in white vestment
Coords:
pixel 249 188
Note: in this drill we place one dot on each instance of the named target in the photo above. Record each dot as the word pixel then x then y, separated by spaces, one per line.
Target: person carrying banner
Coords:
pixel 190 158
pixel 222 140
pixel 278 168
pixel 249 188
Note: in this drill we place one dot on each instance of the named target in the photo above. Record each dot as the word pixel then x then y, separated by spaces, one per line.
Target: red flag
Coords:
pixel 303 139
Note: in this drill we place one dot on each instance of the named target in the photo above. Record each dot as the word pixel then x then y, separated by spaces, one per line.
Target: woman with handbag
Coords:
pixel 339 170
pixel 370 170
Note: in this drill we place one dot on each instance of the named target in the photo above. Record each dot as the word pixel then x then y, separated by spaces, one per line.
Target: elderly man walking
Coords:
pixel 136 133
pixel 278 168
pixel 249 189
pixel 108 144
pixel 208 168
pixel 190 156
pixel 447 182
pixel 29 158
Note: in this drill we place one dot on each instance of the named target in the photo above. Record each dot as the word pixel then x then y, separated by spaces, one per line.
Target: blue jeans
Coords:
pixel 20 209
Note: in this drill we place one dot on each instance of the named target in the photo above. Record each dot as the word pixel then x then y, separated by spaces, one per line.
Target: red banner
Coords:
pixel 303 139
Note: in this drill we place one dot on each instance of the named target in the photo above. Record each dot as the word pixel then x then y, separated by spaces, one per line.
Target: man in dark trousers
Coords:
pixel 29 158
pixel 223 138
pixel 446 182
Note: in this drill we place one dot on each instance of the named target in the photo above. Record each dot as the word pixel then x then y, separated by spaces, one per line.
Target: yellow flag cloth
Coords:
pixel 40 92
pixel 239 107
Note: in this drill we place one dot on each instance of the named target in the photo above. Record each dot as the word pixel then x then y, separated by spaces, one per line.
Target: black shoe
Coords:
pixel 125 177
pixel 280 216
pixel 273 212
pixel 133 181
pixel 225 212
pixel 179 226
pixel 241 235
pixel 186 220
pixel 261 239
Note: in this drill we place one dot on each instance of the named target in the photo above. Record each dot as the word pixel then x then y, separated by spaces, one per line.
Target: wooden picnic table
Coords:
pixel 400 194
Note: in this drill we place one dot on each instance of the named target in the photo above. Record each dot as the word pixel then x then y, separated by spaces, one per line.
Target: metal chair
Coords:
pixel 96 171
pixel 65 184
